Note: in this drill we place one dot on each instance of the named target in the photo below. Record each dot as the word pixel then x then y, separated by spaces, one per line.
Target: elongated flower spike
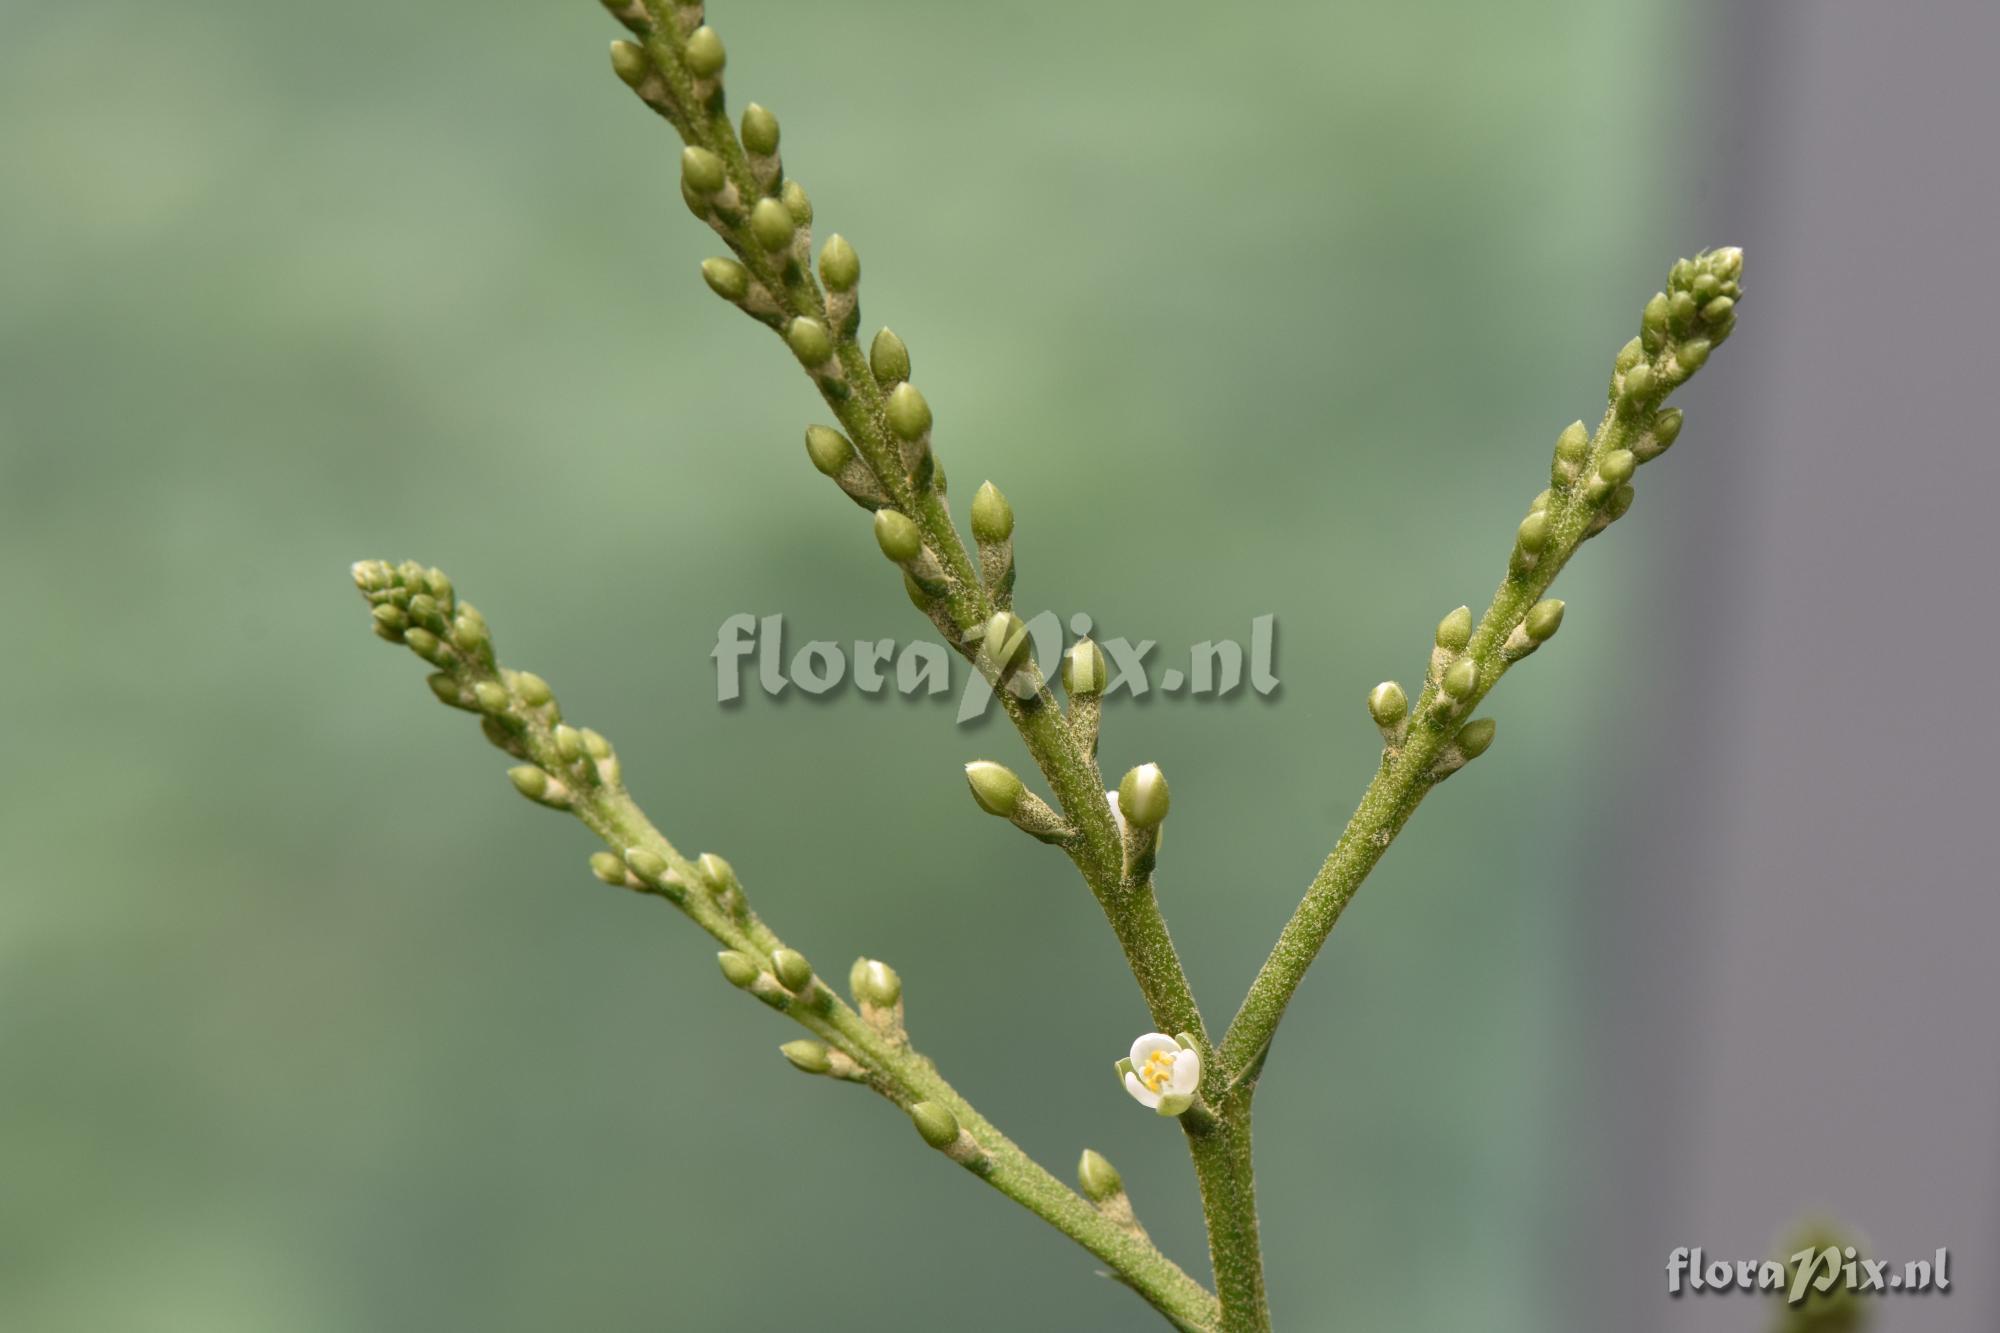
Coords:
pixel 1161 1073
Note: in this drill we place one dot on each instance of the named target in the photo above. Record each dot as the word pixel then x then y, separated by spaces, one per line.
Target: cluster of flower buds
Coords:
pixel 417 607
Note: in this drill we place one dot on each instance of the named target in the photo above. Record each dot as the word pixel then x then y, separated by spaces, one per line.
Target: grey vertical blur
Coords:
pixel 1800 943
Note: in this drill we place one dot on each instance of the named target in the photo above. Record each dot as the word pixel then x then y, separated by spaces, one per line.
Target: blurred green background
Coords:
pixel 308 1023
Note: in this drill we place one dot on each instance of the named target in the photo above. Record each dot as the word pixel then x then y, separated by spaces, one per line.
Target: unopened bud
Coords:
pixel 1461 678
pixel 1533 534
pixel 704 53
pixel 737 968
pixel 649 866
pixel 909 414
pixel 1544 619
pixel 702 171
pixel 726 278
pixel 1388 704
pixel 1097 1178
pixel 797 203
pixel 1143 797
pixel 1475 736
pixel 628 62
pixel 760 130
pixel 771 225
pixel 829 450
pixel 898 535
pixel 874 983
pixel 1083 669
pixel 794 973
pixel 992 516
pixel 808 1057
pixel 1455 630
pixel 717 873
pixel 936 1123
pixel 809 341
pixel 889 359
pixel 1006 641
pixel 996 787
pixel 839 266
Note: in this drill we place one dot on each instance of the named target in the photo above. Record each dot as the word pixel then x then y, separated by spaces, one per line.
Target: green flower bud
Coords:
pixel 808 1057
pixel 873 982
pixel 737 968
pixel 1717 310
pixel 1475 736
pixel 1681 274
pixel 390 621
pixel 469 631
pixel 909 414
pixel 995 786
pixel 1705 286
pixel 1455 630
pixel 1680 309
pixel 595 745
pixel 915 592
pixel 1638 382
pixel 1630 355
pixel 704 54
pixel 1461 678
pixel 936 1123
pixel 1540 502
pixel 1143 797
pixel 898 535
pixel 771 225
pixel 1693 355
pixel 726 278
pixel 794 973
pixel 1007 640
pixel 649 866
pixel 1097 1178
pixel 530 781
pixel 1667 427
pixel 628 62
pixel 889 358
pixel 445 686
pixel 992 516
pixel 1544 619
pixel 839 266
pixel 607 867
pixel 717 873
pixel 829 450
pixel 702 171
pixel 1083 669
pixel 424 644
pixel 809 341
pixel 1620 501
pixel 1617 466
pixel 797 203
pixel 760 131
pixel 490 697
pixel 1573 445
pixel 534 691
pixel 1533 534
pixel 1653 323
pixel 1387 704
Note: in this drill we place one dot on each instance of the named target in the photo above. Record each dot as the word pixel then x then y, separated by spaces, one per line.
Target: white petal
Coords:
pixel 1145 1096
pixel 1148 1044
pixel 1187 1074
pixel 1117 815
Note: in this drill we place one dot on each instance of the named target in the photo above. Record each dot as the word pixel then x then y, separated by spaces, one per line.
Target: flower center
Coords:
pixel 1159 1067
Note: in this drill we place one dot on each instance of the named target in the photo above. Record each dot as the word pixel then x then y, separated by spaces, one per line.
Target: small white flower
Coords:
pixel 1159 1068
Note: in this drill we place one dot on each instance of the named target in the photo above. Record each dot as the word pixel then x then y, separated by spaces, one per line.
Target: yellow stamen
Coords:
pixel 1159 1067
